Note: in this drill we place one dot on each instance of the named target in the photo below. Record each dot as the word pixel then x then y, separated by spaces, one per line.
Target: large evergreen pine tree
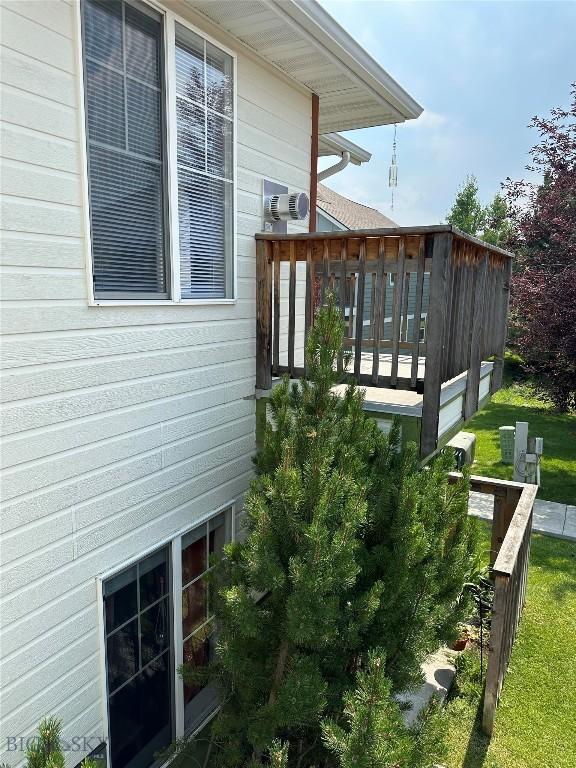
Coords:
pixel 285 657
pixel 350 546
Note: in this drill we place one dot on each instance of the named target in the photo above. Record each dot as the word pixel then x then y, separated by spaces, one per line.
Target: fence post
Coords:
pixel 263 316
pixel 493 678
pixel 505 503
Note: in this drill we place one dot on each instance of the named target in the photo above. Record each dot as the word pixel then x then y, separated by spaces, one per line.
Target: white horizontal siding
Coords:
pixel 32 350
pixel 29 383
pixel 49 617
pixel 46 152
pixel 70 435
pixel 121 424
pixel 21 179
pixel 36 77
pixel 52 409
pixel 52 14
pixel 35 39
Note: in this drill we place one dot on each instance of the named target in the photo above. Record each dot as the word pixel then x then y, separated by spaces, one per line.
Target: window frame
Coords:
pixel 229 535
pixel 170 203
pixel 173 543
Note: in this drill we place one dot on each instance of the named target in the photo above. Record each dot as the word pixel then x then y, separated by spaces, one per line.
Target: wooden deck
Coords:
pixel 385 404
pixel 421 305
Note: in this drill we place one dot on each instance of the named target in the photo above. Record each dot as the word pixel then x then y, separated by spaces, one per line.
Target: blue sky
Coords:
pixel 481 70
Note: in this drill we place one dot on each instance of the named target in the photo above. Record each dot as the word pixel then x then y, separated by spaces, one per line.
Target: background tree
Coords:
pixel 491 223
pixel 498 229
pixel 319 579
pixel 467 212
pixel 543 317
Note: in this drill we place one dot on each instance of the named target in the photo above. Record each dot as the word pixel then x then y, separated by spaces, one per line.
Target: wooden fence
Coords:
pixel 460 284
pixel 509 556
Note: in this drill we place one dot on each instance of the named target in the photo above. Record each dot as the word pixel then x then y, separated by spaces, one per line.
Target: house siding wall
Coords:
pixel 121 424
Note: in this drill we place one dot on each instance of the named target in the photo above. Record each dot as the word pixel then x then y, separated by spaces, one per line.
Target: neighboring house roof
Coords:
pixel 304 41
pixel 350 214
pixel 334 144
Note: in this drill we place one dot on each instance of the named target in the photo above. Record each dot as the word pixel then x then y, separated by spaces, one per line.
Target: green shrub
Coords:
pixel 45 750
pixel 468 683
pixel 514 370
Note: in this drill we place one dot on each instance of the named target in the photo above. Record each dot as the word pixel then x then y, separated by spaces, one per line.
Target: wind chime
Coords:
pixel 393 171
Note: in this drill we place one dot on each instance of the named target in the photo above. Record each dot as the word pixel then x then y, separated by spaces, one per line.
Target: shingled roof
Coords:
pixel 350 214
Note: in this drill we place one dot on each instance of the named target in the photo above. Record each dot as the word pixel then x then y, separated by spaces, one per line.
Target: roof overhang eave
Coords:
pixel 314 22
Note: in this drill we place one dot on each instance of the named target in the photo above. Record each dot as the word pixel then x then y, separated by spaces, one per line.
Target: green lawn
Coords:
pixel 517 402
pixel 536 720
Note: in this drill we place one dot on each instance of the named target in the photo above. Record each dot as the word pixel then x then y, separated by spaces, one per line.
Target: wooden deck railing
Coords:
pixel 509 556
pixel 387 281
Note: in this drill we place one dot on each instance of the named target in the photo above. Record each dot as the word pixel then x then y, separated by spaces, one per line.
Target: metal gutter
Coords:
pixel 335 144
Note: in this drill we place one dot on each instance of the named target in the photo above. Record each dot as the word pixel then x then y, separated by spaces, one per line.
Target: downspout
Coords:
pixel 339 166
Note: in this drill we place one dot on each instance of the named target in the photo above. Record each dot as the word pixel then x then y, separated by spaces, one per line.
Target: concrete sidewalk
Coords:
pixel 549 517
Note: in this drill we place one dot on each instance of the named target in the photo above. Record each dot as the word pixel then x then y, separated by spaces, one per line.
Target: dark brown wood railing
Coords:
pixel 509 557
pixel 386 282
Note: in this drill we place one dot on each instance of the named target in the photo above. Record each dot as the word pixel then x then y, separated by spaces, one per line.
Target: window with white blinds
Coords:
pixel 127 119
pixel 204 115
pixel 126 148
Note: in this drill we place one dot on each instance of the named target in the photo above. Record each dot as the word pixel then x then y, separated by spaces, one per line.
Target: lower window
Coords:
pixel 143 686
pixel 139 664
pixel 199 548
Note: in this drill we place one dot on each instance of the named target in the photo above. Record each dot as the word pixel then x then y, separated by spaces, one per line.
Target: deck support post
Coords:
pixel 473 375
pixel 502 328
pixel 263 315
pixel 436 324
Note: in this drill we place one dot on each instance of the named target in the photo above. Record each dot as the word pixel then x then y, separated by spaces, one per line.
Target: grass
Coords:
pixel 535 722
pixel 517 402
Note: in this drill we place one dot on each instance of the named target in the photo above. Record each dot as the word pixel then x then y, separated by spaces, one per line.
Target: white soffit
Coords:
pixel 334 144
pixel 304 41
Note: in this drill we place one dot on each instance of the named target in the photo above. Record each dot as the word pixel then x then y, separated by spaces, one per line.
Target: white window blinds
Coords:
pixel 204 114
pixel 126 148
pixel 128 160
